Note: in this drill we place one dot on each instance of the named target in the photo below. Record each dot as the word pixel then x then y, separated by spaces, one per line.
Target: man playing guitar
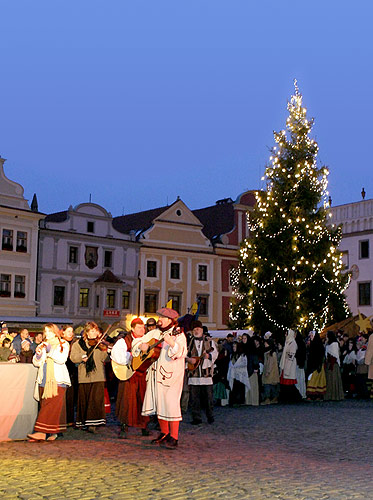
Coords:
pixel 165 376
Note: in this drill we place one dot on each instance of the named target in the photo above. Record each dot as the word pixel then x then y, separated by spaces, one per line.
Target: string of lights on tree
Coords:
pixel 289 273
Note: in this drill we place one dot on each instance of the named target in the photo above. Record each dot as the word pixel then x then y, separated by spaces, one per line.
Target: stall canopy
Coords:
pixel 33 323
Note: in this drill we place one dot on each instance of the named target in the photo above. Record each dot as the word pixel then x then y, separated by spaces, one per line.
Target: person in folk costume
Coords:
pixel 334 387
pixel 72 391
pixel 91 377
pixel 300 356
pixel 51 383
pixel 165 376
pixel 130 392
pixel 271 377
pixel 288 370
pixel 316 383
pixel 200 379
pixel 237 376
pixel 369 361
pixel 251 350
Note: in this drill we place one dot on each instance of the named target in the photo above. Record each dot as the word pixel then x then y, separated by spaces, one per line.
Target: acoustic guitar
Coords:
pixel 122 372
pixel 142 362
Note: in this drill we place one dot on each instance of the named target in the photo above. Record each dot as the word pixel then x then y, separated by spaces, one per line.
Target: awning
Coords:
pixel 32 323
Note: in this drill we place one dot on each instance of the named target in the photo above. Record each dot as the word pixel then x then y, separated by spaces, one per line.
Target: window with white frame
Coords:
pixel 151 269
pixel 7 241
pixel 19 286
pixel 151 302
pixel 59 295
pixel 84 297
pixel 176 301
pixel 364 291
pixel 202 272
pixel 364 249
pixel 73 254
pixel 174 271
pixel 126 299
pixel 5 285
pixel 111 298
pixel 203 304
pixel 21 241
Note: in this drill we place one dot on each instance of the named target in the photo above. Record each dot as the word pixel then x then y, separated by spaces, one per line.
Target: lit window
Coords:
pixel 83 297
pixel 110 299
pixel 125 299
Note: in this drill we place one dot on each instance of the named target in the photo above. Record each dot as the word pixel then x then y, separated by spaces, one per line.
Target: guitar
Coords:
pixel 142 362
pixel 122 372
pixel 191 366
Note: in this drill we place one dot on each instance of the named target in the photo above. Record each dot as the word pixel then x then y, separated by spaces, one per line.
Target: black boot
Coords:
pixel 170 443
pixel 123 434
pixel 162 437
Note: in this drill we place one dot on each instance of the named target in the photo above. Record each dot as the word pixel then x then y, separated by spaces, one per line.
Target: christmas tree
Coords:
pixel 289 272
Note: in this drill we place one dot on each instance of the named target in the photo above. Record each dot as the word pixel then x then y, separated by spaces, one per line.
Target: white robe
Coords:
pixel 164 378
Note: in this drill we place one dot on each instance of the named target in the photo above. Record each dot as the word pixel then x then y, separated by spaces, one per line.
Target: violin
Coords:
pixel 99 342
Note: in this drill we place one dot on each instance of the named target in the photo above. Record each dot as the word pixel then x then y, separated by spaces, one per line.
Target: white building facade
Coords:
pixel 357 248
pixel 87 270
pixel 18 251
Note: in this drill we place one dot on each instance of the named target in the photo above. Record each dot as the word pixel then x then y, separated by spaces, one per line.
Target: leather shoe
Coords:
pixel 145 432
pixel 170 443
pixel 162 437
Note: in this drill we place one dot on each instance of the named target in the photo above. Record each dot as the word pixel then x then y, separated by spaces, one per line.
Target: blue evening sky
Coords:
pixel 137 102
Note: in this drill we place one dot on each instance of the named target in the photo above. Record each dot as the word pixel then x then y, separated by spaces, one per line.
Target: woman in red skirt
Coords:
pixel 52 380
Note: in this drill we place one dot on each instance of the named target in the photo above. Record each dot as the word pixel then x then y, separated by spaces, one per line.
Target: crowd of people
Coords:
pixel 167 366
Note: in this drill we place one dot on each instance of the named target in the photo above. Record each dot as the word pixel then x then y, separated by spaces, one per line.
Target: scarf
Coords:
pixel 333 350
pixel 51 387
pixel 90 364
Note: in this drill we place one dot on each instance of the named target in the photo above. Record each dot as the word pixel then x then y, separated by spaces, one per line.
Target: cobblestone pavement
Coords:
pixel 309 451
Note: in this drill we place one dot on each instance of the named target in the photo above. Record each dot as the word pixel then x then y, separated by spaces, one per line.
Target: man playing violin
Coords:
pixel 165 376
pixel 202 353
pixel 90 355
pixel 130 392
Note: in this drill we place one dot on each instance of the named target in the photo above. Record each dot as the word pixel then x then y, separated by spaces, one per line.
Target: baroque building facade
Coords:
pixel 87 270
pixel 357 247
pixel 186 255
pixel 18 252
